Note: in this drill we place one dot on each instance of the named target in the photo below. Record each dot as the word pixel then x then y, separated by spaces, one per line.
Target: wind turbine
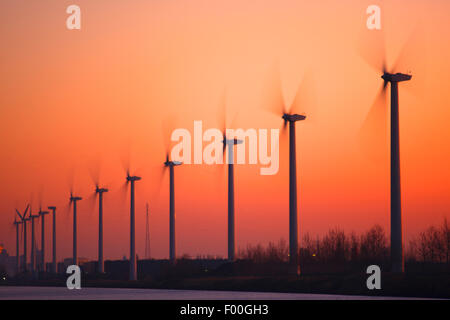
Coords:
pixel 73 201
pixel 54 239
pixel 229 142
pixel 33 242
pixel 172 246
pixel 17 223
pixel 42 215
pixel 392 77
pixel 290 115
pixel 147 234
pixel 24 220
pixel 100 192
pixel 133 267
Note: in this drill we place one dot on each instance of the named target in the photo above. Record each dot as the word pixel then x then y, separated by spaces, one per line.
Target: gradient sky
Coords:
pixel 74 101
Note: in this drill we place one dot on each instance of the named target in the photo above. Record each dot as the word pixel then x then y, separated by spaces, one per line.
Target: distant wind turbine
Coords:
pixel 24 219
pixel 16 224
pixel 54 266
pixel 73 201
pixel 133 267
pixel 380 107
pixel 229 142
pixel 172 243
pixel 290 115
pixel 100 192
pixel 33 242
pixel 42 215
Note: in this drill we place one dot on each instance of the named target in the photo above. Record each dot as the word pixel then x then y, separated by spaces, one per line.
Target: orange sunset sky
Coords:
pixel 72 101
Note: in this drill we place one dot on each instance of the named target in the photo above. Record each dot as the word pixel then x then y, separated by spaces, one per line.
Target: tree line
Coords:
pixel 372 246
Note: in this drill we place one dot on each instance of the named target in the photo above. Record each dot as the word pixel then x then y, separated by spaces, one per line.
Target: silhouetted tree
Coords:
pixel 373 245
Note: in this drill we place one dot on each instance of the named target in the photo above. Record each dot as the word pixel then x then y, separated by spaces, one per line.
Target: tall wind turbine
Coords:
pixel 24 219
pixel 133 267
pixel 73 201
pixel 172 246
pixel 33 242
pixel 290 115
pixel 100 192
pixel 229 142
pixel 147 234
pixel 392 77
pixel 54 267
pixel 42 215
pixel 17 223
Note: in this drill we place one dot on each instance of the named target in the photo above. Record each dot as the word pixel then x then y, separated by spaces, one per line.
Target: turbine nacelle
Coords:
pixel 133 178
pixel 234 141
pixel 73 199
pixel 293 117
pixel 397 77
pixel 172 163
pixel 100 190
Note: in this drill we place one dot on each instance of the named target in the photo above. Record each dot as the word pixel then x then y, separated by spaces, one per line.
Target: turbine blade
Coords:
pixel 223 110
pixel 123 193
pixel 371 48
pixel 168 126
pixel 413 59
pixel 272 95
pixel 373 135
pixel 304 101
pixel 26 210
pixel 94 173
pixel 410 53
pixel 91 203
pixel 17 211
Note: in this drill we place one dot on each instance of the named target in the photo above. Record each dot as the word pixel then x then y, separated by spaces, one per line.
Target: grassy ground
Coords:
pixel 408 285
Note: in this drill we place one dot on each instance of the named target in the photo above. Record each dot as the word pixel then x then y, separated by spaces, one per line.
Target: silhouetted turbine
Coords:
pixel 54 266
pixel 133 267
pixel 293 205
pixel 396 207
pixel 302 100
pixel 230 143
pixel 172 243
pixel 33 243
pixel 17 223
pixel 100 192
pixel 24 219
pixel 73 201
pixel 42 214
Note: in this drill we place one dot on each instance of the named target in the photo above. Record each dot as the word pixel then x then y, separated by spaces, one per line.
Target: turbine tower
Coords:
pixel 293 205
pixel 303 99
pixel 54 267
pixel 147 235
pixel 42 214
pixel 172 246
pixel 379 63
pixel 24 220
pixel 17 223
pixel 100 192
pixel 33 243
pixel 73 201
pixel 396 206
pixel 230 143
pixel 133 267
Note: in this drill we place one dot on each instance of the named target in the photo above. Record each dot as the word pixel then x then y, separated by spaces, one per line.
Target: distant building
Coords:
pixel 7 262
